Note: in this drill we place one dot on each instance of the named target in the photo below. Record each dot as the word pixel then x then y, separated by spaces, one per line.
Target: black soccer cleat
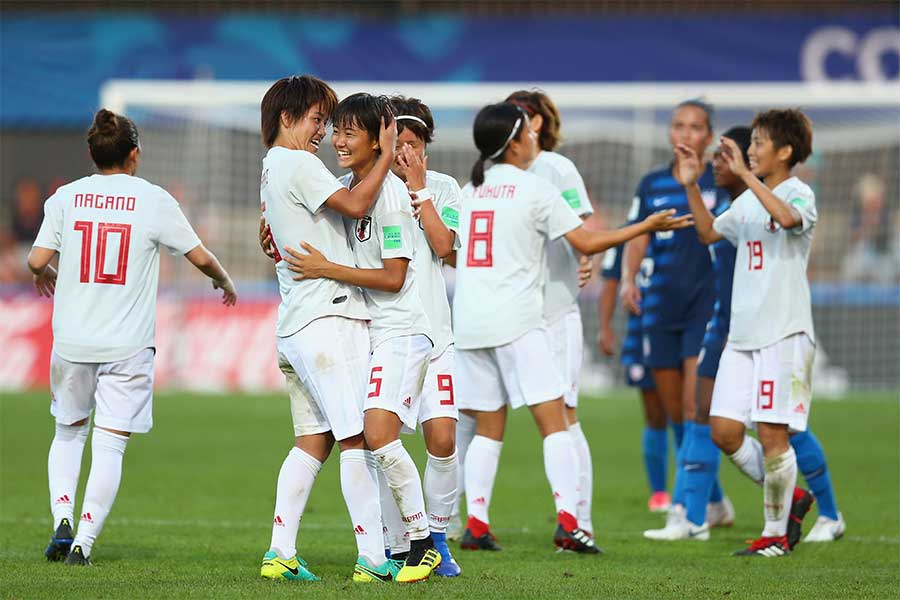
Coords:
pixel 576 540
pixel 61 542
pixel 76 557
pixel 800 505
pixel 486 541
pixel 769 547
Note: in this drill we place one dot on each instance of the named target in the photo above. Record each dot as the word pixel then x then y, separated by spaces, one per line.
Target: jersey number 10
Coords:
pixel 103 230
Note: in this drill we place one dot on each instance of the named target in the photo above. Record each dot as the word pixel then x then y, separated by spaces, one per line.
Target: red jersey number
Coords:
pixel 481 239
pixel 766 398
pixel 376 382
pixel 755 253
pixel 445 384
pixel 103 230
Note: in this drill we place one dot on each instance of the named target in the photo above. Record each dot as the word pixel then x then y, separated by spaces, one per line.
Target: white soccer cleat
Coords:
pixel 683 530
pixel 826 530
pixel 720 514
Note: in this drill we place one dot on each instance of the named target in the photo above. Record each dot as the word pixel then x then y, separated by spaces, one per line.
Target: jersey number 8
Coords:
pixel 481 239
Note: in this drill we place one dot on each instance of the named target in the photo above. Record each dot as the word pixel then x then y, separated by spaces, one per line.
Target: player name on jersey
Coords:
pixel 497 192
pixel 126 203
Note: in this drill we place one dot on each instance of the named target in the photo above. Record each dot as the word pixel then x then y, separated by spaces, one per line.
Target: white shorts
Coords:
pixel 770 385
pixel 519 373
pixel 567 337
pixel 437 393
pixel 397 375
pixel 325 365
pixel 120 391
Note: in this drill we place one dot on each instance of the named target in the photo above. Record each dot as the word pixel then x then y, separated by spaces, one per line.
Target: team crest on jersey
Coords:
pixel 364 228
pixel 772 226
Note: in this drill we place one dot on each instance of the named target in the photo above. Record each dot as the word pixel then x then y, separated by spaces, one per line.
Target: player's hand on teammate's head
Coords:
pixel 687 165
pixel 45 283
pixel 265 238
pixel 606 340
pixel 309 265
pixel 229 293
pixel 413 167
pixel 665 220
pixel 733 156
pixel 387 136
pixel 585 270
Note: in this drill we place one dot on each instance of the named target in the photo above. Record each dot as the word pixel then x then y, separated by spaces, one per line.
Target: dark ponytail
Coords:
pixel 111 139
pixel 495 126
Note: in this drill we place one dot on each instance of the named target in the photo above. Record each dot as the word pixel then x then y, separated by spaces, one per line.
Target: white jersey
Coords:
pixel 108 230
pixel 770 295
pixel 430 276
pixel 388 231
pixel 293 190
pixel 504 226
pixel 561 289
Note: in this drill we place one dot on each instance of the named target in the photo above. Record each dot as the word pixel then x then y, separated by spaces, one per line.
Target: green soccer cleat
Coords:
pixel 364 572
pixel 292 569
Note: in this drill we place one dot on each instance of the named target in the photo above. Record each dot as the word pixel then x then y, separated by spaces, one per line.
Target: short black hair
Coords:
pixel 741 135
pixel 787 127
pixel 703 105
pixel 294 96
pixel 414 107
pixel 364 111
pixel 111 139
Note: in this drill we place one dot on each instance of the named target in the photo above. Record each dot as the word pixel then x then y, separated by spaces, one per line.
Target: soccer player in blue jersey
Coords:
pixel 702 455
pixel 679 297
pixel 655 446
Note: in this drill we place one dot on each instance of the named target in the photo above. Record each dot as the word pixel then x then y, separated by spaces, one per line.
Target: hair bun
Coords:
pixel 106 121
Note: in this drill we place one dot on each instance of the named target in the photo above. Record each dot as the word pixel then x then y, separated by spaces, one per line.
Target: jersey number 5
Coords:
pixel 103 230
pixel 481 239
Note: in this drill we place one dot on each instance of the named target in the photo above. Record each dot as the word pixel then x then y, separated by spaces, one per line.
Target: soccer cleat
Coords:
pixel 448 566
pixel 575 540
pixel 76 557
pixel 679 530
pixel 60 542
pixel 659 502
pixel 720 514
pixel 292 569
pixel 423 559
pixel 827 530
pixel 455 528
pixel 486 541
pixel 800 505
pixel 364 572
pixel 770 547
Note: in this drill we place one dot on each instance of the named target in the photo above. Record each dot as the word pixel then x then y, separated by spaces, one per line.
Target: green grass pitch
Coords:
pixel 194 510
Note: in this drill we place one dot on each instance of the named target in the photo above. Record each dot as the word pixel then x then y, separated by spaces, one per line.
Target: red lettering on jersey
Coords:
pixel 130 202
pixel 79 200
pixel 496 192
pixel 89 201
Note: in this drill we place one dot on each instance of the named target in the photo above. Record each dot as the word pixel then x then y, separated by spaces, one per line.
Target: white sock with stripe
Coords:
pixel 360 487
pixel 64 468
pixel 107 451
pixel 295 481
pixel 778 492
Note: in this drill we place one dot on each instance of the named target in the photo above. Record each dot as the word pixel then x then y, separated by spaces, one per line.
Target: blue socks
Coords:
pixel 683 439
pixel 811 462
pixel 655 446
pixel 678 430
pixel 700 473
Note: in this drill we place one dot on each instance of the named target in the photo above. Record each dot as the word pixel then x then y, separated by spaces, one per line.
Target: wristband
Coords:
pixel 424 194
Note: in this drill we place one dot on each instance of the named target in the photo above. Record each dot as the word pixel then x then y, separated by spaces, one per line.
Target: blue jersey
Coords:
pixel 681 288
pixel 632 345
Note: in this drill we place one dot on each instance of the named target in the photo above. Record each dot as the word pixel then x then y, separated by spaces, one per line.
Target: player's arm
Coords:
pixel 687 172
pixel 632 254
pixel 314 265
pixel 607 337
pixel 592 242
pixel 43 273
pixel 782 213
pixel 207 263
pixel 356 203
pixel 440 237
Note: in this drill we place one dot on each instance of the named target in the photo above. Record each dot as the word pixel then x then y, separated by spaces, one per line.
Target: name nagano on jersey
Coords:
pixel 126 203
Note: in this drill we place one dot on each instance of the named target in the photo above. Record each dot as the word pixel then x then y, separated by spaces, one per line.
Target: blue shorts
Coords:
pixel 668 349
pixel 638 376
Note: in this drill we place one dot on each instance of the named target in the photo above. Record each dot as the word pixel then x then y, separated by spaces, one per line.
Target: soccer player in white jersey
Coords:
pixel 765 372
pixel 107 230
pixel 562 286
pixel 505 354
pixel 436 209
pixel 384 245
pixel 322 328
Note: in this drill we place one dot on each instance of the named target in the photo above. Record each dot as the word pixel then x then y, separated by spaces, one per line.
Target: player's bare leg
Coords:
pixel 560 460
pixel 480 469
pixel 63 471
pixel 440 486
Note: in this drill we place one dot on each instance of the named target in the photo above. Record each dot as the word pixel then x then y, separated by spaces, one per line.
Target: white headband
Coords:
pixel 508 140
pixel 411 118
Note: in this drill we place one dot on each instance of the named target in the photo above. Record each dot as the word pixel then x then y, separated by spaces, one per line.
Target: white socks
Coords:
pixel 481 471
pixel 585 478
pixel 295 482
pixel 107 450
pixel 441 475
pixel 360 488
pixel 403 478
pixel 749 459
pixel 465 431
pixel 560 463
pixel 395 536
pixel 778 491
pixel 63 469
